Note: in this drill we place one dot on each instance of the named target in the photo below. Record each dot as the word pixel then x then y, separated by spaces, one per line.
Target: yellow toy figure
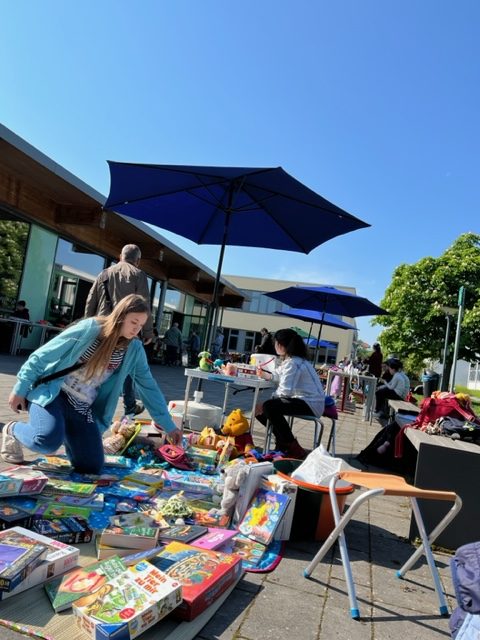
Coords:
pixel 237 426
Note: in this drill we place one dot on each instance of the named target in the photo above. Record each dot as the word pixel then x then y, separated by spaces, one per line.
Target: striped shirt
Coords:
pixel 81 393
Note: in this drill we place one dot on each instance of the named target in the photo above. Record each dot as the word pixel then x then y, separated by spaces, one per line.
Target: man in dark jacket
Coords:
pixel 111 286
pixel 266 345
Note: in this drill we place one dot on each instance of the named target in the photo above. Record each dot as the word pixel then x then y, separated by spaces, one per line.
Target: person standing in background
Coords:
pixel 22 313
pixel 174 344
pixel 375 361
pixel 110 287
pixel 217 344
pixel 266 344
pixel 194 348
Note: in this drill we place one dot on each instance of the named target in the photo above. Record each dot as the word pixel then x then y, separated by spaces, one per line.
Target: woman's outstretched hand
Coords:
pixel 17 403
pixel 175 437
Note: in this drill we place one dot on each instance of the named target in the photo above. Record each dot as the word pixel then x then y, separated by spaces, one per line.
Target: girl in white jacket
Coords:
pixel 299 391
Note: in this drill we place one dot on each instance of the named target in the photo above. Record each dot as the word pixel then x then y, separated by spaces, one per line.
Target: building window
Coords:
pixel 233 340
pixel 249 341
pixel 13 240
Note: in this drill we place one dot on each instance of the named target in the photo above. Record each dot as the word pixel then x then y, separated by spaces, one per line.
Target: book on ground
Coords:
pixel 58 486
pixel 33 480
pixel 214 538
pixel 204 575
pixel 71 530
pixel 249 551
pixel 130 537
pixel 10 515
pixel 81 581
pixel 129 604
pixel 182 532
pixel 18 557
pixel 263 515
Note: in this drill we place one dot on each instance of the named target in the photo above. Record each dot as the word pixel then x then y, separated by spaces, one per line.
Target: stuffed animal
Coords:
pixel 122 433
pixel 235 475
pixel 237 426
pixel 205 363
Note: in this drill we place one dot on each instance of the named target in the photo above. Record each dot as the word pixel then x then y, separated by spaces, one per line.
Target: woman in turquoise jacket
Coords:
pixel 72 383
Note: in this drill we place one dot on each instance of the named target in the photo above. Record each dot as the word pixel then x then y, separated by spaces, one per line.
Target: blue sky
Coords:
pixel 373 104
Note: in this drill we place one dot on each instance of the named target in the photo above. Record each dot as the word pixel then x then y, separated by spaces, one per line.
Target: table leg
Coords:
pixel 185 402
pixel 225 399
pixel 252 417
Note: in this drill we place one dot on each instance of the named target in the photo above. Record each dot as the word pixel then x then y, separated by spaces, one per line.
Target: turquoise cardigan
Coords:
pixel 65 349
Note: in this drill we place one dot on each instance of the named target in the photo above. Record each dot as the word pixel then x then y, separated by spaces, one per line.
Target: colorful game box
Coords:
pixel 263 515
pixel 204 575
pixel 129 604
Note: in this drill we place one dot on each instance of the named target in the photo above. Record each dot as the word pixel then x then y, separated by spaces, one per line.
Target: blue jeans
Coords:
pixel 56 424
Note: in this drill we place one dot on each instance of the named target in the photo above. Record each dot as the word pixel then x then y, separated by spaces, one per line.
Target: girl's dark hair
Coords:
pixel 291 342
pixel 394 363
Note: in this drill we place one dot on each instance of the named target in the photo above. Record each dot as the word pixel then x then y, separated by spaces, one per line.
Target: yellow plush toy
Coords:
pixel 237 426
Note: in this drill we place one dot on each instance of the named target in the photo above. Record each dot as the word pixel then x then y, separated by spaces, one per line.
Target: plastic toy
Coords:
pixel 205 363
pixel 237 426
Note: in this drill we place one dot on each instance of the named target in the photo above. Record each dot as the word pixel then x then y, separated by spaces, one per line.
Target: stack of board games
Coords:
pixel 60 557
pixel 204 575
pixel 18 557
pixel 128 604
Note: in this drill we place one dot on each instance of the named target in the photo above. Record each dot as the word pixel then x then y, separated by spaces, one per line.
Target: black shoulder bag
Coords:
pixel 57 374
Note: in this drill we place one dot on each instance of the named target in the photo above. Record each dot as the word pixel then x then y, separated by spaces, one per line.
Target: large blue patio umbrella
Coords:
pixel 326 300
pixel 247 207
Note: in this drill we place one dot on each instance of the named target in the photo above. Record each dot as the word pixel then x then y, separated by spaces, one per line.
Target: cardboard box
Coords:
pixel 128 604
pixel 204 575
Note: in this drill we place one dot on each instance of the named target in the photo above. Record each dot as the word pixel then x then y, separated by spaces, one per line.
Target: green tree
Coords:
pixel 415 326
pixel 13 240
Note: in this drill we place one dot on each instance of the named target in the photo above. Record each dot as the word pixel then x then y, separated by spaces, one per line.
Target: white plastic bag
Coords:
pixel 318 467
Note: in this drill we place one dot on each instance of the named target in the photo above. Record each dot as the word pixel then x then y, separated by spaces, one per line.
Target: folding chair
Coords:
pixel 317 430
pixel 379 484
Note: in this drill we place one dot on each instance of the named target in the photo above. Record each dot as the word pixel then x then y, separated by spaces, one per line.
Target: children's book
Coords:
pixel 248 488
pixel 58 510
pixel 58 463
pixel 129 604
pixel 11 515
pixel 60 558
pixel 145 479
pixel 95 502
pixel 138 489
pixel 81 581
pixel 248 550
pixel 204 575
pixel 58 486
pixel 135 519
pixel 182 533
pixel 214 538
pixel 263 515
pixel 288 487
pixel 33 480
pixel 118 461
pixel 70 530
pixel 130 537
pixel 10 486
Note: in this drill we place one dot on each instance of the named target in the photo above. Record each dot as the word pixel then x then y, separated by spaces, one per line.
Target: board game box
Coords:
pixel 204 575
pixel 129 604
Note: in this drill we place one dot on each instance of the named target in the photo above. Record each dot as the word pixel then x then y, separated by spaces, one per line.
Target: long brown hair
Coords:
pixel 110 333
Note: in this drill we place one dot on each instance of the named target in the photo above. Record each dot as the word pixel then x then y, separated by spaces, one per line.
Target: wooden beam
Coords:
pixel 84 216
pixel 183 273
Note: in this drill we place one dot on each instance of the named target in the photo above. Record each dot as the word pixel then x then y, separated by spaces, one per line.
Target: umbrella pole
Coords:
pixel 318 343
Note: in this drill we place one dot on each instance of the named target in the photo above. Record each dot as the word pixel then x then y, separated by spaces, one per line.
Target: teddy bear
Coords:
pixel 205 363
pixel 122 432
pixel 235 475
pixel 237 426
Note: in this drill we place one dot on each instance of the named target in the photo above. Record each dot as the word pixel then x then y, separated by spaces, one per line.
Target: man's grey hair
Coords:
pixel 131 253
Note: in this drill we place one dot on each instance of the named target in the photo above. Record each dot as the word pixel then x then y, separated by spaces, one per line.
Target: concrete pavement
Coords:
pixel 284 604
